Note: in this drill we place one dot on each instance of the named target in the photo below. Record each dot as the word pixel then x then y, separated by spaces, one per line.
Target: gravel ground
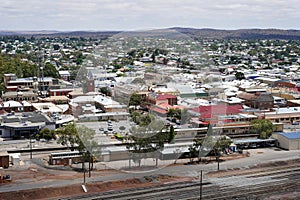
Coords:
pixel 35 175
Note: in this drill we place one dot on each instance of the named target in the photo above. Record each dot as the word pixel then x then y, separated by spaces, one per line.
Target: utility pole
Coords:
pixel 218 157
pixel 201 185
pixel 83 173
pixel 90 157
pixel 30 145
pixel 83 166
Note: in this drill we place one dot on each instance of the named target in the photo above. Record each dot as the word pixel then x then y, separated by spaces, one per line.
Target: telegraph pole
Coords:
pixel 201 185
pixel 30 144
pixel 218 162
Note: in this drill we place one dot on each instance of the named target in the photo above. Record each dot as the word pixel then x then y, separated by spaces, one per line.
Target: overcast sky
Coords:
pixel 147 14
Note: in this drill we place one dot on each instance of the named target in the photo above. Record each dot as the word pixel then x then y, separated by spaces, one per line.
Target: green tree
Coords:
pixel 80 138
pixel 87 145
pixel 222 143
pixel 50 71
pixel 147 140
pixel 75 137
pixel 68 136
pixel 171 112
pixel 46 133
pixel 263 127
pixel 195 149
pixel 174 113
pixel 56 47
pixel 171 134
pixel 239 75
pixel 14 64
pixel 146 120
pixel 135 100
pixel 105 90
pixel 136 116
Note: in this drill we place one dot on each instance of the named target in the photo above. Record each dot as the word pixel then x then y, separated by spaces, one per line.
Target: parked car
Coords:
pixel 177 127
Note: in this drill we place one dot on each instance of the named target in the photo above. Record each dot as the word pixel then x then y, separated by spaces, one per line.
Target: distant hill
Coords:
pixel 240 33
pixel 101 34
pixel 191 32
pixel 24 33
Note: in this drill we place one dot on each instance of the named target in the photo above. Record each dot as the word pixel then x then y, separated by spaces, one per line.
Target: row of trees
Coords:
pixel 19 65
pixel 148 140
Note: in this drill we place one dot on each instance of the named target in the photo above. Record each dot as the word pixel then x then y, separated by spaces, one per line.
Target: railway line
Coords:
pixel 252 185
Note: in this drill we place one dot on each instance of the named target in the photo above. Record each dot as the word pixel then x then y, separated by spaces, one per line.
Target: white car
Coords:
pixel 177 127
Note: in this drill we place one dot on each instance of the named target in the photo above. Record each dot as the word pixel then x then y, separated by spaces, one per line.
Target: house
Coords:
pixel 156 99
pixel 65 75
pixel 163 108
pixel 258 100
pixel 47 108
pixel 12 83
pixel 60 92
pixel 55 99
pixel 281 115
pixel 20 96
pixel 15 106
pixel 92 104
pixel 166 99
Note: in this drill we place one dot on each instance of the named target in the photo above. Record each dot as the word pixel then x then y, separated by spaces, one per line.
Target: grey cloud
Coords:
pixel 136 14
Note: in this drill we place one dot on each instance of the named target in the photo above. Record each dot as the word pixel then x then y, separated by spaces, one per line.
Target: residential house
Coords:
pixel 262 101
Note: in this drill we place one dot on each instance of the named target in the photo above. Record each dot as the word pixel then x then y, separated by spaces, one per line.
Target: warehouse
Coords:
pixel 288 140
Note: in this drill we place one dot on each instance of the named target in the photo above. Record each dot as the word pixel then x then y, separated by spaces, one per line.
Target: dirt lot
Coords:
pixel 76 189
pixel 35 174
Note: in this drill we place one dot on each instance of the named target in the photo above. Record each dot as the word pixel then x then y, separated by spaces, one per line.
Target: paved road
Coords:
pixel 257 156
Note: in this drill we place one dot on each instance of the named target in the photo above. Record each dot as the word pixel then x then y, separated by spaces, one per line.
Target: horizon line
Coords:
pixel 133 30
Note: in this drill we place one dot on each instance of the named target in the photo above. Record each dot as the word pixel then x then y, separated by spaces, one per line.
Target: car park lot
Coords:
pixel 102 126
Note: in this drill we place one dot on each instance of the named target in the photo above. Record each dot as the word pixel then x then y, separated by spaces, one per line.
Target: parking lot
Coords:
pixel 109 127
pixel 106 129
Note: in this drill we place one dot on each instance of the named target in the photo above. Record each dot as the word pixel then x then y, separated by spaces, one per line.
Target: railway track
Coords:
pixel 142 192
pixel 257 185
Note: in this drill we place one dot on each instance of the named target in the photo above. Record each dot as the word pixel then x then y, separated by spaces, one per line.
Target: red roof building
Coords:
pixel 210 114
pixel 218 109
pixel 167 99
pixel 162 109
pixel 261 101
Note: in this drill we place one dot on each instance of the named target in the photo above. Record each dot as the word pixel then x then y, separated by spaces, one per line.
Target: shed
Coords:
pixel 4 159
pixel 15 158
pixel 288 140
